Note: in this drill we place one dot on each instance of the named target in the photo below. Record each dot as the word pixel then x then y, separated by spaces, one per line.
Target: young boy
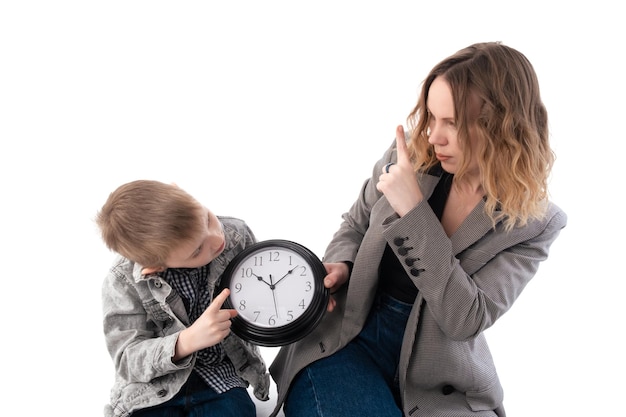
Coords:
pixel 164 327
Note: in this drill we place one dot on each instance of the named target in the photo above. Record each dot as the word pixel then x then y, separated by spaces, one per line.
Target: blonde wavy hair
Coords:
pixel 511 130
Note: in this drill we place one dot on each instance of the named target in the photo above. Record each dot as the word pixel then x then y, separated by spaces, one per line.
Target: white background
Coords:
pixel 275 112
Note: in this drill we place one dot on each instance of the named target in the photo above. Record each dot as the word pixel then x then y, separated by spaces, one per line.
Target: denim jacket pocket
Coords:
pixel 161 319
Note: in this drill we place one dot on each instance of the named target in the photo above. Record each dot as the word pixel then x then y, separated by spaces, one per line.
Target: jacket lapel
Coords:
pixel 474 227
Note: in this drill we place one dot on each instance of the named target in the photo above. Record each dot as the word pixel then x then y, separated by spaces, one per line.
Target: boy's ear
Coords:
pixel 152 270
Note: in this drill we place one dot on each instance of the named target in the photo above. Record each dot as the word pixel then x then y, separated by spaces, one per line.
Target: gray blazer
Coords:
pixel 465 282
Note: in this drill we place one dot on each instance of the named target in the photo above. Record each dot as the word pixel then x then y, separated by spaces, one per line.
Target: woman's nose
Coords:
pixel 435 137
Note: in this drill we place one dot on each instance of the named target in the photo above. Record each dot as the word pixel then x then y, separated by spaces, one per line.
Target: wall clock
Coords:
pixel 277 288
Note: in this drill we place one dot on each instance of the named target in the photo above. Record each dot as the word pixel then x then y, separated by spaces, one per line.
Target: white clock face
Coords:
pixel 272 287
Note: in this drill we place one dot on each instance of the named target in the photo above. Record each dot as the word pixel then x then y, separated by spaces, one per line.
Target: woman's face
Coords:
pixel 442 127
pixel 206 246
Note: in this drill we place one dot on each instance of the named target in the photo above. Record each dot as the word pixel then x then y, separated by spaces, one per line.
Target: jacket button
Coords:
pixel 447 389
pixel 399 241
pixel 416 272
pixel 403 250
pixel 410 261
pixel 157 283
pixel 161 393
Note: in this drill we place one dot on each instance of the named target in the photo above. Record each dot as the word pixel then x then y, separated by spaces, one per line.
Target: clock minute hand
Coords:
pixel 288 273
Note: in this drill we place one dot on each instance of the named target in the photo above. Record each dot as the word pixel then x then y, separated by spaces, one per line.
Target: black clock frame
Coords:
pixel 300 327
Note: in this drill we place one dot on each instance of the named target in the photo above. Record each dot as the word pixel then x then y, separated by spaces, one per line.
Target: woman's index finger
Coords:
pixel 403 153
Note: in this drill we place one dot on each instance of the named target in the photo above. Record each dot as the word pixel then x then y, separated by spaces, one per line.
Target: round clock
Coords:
pixel 277 288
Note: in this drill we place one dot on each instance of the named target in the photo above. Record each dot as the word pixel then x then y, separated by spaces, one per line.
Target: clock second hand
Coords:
pixel 272 286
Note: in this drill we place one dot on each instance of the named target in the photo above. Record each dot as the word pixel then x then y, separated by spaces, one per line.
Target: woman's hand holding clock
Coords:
pixel 337 275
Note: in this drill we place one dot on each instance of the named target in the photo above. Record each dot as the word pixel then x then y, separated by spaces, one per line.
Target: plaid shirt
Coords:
pixel 212 364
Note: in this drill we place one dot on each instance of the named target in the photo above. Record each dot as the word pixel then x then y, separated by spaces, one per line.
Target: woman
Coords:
pixel 440 243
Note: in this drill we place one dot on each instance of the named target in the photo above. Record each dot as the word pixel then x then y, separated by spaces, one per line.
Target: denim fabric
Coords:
pixel 360 379
pixel 197 399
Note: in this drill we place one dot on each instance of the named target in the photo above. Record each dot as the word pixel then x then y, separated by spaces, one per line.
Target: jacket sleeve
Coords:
pixel 466 293
pixel 138 355
pixel 347 240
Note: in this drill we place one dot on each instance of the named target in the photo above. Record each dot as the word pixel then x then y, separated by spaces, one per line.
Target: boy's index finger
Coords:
pixel 219 299
pixel 403 153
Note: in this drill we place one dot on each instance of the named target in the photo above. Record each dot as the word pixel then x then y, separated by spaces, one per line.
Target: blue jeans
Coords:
pixel 197 399
pixel 360 379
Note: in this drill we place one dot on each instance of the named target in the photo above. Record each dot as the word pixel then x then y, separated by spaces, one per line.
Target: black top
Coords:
pixel 393 279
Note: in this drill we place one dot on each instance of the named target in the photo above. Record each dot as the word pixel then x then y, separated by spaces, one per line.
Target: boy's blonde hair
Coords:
pixel 513 150
pixel 145 220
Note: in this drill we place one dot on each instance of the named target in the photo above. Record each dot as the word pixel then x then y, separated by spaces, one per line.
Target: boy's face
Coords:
pixel 206 246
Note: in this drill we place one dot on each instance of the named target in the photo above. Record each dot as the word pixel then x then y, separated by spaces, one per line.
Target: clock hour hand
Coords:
pixel 261 279
pixel 288 273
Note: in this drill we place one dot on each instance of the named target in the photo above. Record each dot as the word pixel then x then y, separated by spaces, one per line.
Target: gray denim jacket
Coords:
pixel 142 320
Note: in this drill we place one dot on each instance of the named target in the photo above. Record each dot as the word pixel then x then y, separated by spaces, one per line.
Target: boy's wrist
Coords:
pixel 182 348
